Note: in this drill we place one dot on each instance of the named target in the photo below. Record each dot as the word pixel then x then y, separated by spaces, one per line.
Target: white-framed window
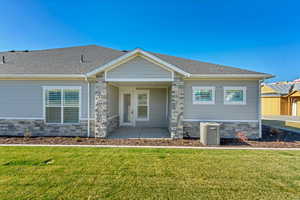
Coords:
pixel 142 105
pixel 235 95
pixel 203 95
pixel 62 104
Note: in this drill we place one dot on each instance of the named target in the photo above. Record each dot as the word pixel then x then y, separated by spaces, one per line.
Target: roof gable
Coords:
pixel 281 88
pixel 295 94
pixel 267 90
pixel 132 54
pixel 139 68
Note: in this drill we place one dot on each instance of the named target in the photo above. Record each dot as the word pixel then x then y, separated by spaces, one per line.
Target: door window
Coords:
pixel 142 105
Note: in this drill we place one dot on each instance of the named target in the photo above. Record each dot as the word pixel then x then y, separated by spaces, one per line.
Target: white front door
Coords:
pixel 127 107
pixel 294 108
pixel 134 106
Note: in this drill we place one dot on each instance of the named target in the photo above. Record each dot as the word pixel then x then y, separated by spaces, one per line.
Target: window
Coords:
pixel 235 95
pixel 62 105
pixel 142 105
pixel 203 95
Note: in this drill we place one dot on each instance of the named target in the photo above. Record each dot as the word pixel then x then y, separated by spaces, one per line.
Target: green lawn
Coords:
pixel 107 173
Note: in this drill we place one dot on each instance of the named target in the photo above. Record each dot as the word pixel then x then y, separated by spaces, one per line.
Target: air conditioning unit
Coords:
pixel 210 133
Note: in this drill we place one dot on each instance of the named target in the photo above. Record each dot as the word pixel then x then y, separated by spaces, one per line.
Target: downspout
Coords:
pixel 260 108
pixel 88 106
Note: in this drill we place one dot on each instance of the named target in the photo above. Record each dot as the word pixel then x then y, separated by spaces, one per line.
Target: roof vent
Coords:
pixel 82 60
pixel 3 60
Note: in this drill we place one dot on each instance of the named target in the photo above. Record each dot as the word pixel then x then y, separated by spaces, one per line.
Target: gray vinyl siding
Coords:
pixel 24 99
pixel 92 100
pixel 113 99
pixel 219 111
pixel 138 68
pixel 157 113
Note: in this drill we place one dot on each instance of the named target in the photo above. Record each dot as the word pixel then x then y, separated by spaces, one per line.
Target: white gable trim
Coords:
pixel 131 54
pixel 139 80
pixel 142 56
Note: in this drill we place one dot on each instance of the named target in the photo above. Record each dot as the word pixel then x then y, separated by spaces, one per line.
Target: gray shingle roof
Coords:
pixel 199 67
pixel 296 87
pixel 67 61
pixel 281 88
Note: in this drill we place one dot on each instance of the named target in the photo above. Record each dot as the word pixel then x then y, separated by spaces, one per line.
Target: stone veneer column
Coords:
pixel 101 107
pixel 177 106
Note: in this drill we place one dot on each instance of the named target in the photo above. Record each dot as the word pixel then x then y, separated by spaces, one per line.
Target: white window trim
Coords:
pixel 244 102
pixel 137 104
pixel 62 98
pixel 204 102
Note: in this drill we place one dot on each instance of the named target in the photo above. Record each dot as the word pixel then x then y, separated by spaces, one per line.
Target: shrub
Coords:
pixel 241 136
pixel 277 133
pixel 78 139
pixel 27 133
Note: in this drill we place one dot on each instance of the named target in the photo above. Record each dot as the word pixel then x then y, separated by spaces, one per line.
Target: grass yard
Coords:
pixel 110 173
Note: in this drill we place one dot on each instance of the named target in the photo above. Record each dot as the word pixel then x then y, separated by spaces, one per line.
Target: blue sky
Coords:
pixel 257 35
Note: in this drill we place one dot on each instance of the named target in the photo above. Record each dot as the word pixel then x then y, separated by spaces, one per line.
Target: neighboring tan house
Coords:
pixel 294 100
pixel 281 99
pixel 91 91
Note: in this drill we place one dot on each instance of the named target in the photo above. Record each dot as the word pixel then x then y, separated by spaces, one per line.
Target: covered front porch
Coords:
pixel 138 110
pixel 141 94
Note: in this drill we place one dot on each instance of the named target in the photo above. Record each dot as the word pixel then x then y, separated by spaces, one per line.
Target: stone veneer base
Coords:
pixel 40 128
pixel 112 124
pixel 227 129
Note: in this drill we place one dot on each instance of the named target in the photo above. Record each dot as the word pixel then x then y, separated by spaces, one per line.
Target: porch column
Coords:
pixel 101 107
pixel 177 106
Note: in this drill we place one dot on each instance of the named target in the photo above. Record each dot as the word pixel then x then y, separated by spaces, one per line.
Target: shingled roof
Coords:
pixel 281 88
pixel 68 61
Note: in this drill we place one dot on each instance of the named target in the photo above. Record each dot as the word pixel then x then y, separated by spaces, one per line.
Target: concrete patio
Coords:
pixel 144 133
pixel 284 122
pixel 282 118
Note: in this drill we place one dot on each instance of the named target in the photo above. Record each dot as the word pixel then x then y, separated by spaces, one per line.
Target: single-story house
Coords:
pixel 281 98
pixel 91 91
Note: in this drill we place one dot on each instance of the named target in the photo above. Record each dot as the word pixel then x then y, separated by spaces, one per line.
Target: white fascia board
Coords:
pixel 22 118
pixel 42 76
pixel 139 80
pixel 217 120
pixel 258 76
pixel 136 51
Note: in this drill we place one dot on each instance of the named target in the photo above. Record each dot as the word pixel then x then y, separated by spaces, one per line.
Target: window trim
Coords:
pixel 137 105
pixel 244 88
pixel 61 106
pixel 212 102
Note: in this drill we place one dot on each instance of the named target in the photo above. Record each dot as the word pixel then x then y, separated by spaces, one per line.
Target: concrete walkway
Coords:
pixel 286 123
pixel 282 118
pixel 151 147
pixel 139 133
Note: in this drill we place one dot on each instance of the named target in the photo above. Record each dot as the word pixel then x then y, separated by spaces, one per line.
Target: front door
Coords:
pixel 134 106
pixel 294 108
pixel 126 107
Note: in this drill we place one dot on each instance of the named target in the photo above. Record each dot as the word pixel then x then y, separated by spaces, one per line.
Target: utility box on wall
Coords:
pixel 210 133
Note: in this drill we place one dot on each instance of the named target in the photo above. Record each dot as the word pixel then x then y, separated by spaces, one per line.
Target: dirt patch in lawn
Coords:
pixel 143 142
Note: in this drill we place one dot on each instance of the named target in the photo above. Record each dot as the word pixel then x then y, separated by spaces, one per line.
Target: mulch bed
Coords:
pixel 145 142
pixel 99 141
